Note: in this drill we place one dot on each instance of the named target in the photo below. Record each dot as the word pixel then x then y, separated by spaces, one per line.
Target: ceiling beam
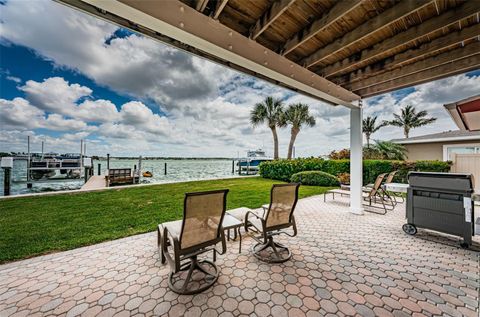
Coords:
pixel 384 66
pixel 339 10
pixel 269 16
pixel 431 62
pixel 466 10
pixel 384 19
pixel 457 67
pixel 181 26
pixel 200 5
pixel 219 8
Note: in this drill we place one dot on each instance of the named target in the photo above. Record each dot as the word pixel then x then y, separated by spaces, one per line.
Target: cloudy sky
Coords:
pixel 66 76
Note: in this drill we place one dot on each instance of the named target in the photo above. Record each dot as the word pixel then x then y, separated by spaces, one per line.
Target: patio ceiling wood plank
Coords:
pixel 431 62
pixel 180 25
pixel 464 11
pixel 340 9
pixel 409 55
pixel 200 5
pixel 453 68
pixel 219 8
pixel 276 10
pixel 371 26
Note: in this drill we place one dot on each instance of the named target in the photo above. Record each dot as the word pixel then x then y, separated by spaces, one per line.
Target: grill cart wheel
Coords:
pixel 409 229
pixel 464 245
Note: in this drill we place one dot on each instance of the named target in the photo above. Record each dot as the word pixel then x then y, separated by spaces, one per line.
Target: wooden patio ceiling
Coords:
pixel 361 47
pixel 366 46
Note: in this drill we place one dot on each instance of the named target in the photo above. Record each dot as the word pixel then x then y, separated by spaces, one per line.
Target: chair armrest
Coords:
pixel 265 209
pixel 246 222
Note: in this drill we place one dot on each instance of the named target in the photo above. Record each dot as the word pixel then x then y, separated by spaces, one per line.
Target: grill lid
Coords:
pixel 450 182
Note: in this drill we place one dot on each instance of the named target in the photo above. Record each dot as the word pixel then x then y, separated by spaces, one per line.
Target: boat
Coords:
pixel 251 162
pixel 147 174
pixel 53 166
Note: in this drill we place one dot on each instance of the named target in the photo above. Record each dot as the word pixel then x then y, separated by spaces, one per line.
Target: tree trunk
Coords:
pixel 293 136
pixel 368 140
pixel 405 132
pixel 275 143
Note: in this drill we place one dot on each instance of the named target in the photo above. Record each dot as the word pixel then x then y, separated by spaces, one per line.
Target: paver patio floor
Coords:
pixel 342 265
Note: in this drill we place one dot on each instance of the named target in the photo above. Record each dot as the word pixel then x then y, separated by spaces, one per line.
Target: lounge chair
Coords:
pixel 374 197
pixel 274 220
pixel 198 232
pixel 390 195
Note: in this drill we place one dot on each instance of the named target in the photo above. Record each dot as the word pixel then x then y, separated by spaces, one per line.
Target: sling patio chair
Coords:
pixel 199 232
pixel 373 197
pixel 276 218
pixel 392 195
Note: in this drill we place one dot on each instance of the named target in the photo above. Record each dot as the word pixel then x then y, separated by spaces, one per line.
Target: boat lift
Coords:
pixel 57 168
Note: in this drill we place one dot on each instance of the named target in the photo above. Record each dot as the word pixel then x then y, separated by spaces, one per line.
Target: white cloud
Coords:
pixel 55 94
pixel 57 122
pixel 96 111
pixel 14 79
pixel 133 65
pixel 20 114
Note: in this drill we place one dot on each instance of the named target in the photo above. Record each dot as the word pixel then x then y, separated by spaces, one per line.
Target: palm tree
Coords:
pixel 410 118
pixel 370 127
pixel 271 112
pixel 390 151
pixel 297 115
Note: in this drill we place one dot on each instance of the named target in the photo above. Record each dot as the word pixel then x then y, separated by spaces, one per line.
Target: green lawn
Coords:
pixel 45 224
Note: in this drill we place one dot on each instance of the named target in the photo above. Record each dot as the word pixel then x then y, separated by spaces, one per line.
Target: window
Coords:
pixel 449 150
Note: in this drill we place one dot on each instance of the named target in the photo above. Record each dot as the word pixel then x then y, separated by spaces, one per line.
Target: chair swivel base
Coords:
pixel 280 252
pixel 191 268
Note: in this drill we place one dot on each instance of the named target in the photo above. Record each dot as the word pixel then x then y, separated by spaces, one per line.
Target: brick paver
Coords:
pixel 342 264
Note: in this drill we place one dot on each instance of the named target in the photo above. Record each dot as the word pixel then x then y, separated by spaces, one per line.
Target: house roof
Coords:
pixel 448 136
pixel 465 113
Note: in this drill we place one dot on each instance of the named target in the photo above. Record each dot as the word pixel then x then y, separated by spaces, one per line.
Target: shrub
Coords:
pixel 339 155
pixel 344 178
pixel 315 178
pixel 284 169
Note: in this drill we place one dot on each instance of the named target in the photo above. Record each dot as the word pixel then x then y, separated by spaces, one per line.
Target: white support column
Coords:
pixel 356 156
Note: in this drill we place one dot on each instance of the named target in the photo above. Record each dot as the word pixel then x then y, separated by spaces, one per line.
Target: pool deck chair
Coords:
pixel 277 218
pixel 373 197
pixel 391 195
pixel 199 232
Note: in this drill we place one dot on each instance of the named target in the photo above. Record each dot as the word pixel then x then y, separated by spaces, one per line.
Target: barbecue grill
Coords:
pixel 441 202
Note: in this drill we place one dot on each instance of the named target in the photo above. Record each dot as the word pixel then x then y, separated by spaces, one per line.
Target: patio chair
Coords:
pixel 373 197
pixel 390 195
pixel 276 218
pixel 198 232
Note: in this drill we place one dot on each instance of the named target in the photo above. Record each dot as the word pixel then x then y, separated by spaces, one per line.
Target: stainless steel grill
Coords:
pixel 441 202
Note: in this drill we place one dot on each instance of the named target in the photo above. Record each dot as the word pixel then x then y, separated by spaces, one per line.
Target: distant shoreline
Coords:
pixel 165 158
pixel 104 158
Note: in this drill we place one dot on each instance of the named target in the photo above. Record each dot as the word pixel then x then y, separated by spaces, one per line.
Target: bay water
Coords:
pixel 178 170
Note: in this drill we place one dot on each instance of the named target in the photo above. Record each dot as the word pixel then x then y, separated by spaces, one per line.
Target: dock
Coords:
pixel 95 182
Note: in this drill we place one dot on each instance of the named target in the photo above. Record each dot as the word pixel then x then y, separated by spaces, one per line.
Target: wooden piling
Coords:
pixel 165 168
pixel 233 166
pixel 7 177
pixel 99 169
pixel 86 174
pixel 108 162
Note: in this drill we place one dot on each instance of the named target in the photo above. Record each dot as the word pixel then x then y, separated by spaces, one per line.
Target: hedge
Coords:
pixel 284 169
pixel 315 178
